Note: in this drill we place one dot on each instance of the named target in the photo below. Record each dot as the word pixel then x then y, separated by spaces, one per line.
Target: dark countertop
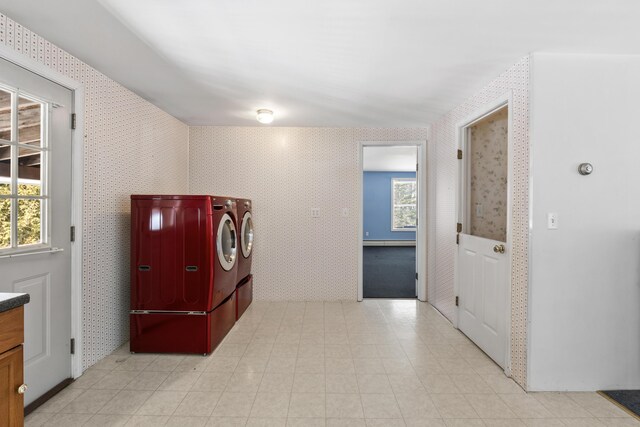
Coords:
pixel 9 301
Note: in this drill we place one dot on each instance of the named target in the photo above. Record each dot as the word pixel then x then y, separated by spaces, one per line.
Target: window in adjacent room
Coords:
pixel 404 212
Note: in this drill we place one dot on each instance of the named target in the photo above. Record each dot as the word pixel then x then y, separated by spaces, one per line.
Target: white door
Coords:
pixel 482 280
pixel 246 235
pixel 482 269
pixel 226 243
pixel 35 218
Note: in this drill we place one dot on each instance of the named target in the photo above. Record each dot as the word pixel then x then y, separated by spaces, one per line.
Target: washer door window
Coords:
pixel 227 243
pixel 246 235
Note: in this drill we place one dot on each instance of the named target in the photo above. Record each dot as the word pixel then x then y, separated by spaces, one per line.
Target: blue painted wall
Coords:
pixel 377 206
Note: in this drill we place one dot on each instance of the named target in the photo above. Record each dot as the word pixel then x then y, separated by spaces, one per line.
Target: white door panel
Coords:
pixel 45 277
pixel 37 317
pixel 482 289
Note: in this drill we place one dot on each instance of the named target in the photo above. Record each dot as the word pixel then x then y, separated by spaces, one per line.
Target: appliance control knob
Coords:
pixel 228 203
pixel 247 204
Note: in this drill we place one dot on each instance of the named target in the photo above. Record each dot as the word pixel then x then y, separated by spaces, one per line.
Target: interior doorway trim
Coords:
pixel 423 218
pixel 505 100
pixel 77 162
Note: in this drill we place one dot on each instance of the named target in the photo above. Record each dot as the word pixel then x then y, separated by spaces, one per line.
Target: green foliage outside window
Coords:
pixel 28 216
pixel 405 213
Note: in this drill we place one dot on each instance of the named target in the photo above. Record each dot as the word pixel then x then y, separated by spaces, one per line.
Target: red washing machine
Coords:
pixel 184 253
pixel 244 291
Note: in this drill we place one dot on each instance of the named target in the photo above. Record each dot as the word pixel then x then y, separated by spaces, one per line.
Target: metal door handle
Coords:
pixel 499 249
pixel 22 389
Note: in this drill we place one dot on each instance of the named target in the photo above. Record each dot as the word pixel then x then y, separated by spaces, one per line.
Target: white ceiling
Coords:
pixel 322 63
pixel 392 159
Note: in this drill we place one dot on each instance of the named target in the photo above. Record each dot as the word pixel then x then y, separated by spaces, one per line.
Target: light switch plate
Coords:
pixel 479 210
pixel 552 220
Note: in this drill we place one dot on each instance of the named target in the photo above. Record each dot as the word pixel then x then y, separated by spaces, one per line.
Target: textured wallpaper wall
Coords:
pixel 442 138
pixel 130 146
pixel 488 178
pixel 288 171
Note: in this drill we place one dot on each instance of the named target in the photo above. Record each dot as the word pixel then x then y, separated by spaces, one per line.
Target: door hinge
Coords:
pixel 417 166
pixel 457 239
pixel 459 154
pixel 73 120
pixel 416 276
pixel 459 227
pixel 72 233
pixel 457 301
pixel 72 346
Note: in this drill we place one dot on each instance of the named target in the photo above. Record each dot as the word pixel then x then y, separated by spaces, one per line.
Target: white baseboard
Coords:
pixel 389 243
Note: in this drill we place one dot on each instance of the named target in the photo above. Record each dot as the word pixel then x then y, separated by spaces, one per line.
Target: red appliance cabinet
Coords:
pixel 180 290
pixel 244 296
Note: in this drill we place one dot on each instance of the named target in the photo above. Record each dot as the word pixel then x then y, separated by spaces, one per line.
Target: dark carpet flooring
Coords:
pixel 389 272
pixel 630 399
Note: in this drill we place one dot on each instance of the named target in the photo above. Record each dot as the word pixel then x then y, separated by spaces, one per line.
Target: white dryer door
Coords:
pixel 246 235
pixel 226 243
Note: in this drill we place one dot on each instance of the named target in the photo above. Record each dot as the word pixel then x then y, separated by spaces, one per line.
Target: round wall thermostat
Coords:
pixel 585 168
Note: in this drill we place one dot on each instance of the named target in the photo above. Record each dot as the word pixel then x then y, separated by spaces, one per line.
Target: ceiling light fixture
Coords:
pixel 264 116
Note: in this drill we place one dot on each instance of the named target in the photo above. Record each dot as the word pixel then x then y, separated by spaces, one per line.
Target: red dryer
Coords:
pixel 245 228
pixel 184 253
pixel 244 292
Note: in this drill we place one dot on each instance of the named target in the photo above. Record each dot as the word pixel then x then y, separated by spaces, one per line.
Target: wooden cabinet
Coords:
pixel 11 367
pixel 11 400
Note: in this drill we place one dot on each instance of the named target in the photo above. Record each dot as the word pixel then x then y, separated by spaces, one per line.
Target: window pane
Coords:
pixel 29 121
pixel 29 172
pixel 405 193
pixel 29 214
pixel 404 204
pixel 5 115
pixel 404 217
pixel 5 169
pixel 5 223
pixel 488 172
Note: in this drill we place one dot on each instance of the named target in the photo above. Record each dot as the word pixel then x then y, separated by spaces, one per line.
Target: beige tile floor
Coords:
pixel 376 363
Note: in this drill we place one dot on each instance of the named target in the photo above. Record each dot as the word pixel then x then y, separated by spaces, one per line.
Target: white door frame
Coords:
pixel 421 234
pixel 77 160
pixel 504 100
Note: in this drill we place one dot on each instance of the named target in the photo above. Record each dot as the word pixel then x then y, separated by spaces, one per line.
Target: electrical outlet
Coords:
pixel 315 212
pixel 366 233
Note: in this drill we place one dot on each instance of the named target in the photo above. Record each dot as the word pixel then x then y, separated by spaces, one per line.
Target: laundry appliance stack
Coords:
pixel 244 288
pixel 184 272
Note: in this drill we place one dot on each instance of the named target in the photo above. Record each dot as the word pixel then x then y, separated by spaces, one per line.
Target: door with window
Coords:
pixel 482 269
pixel 35 218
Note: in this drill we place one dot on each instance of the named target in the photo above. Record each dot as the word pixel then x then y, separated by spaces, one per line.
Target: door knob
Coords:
pixel 22 389
pixel 499 249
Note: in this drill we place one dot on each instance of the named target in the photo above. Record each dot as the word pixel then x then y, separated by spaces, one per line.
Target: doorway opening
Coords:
pixel 390 216
pixel 483 260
